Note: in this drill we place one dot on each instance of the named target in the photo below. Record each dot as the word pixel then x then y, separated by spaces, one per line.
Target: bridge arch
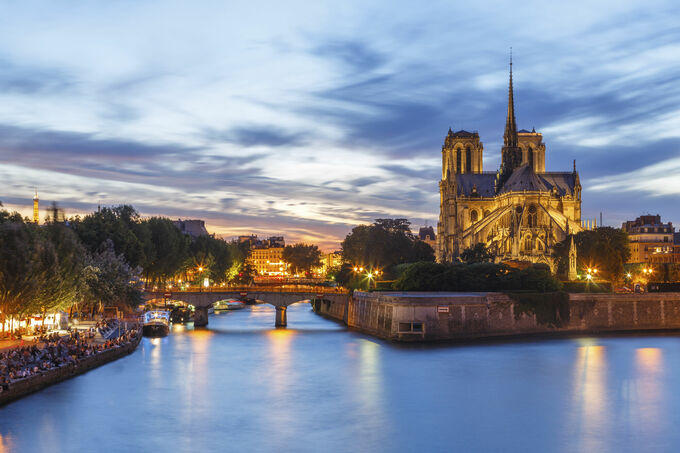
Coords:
pixel 278 299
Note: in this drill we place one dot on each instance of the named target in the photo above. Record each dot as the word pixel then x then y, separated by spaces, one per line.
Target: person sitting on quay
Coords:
pixel 57 351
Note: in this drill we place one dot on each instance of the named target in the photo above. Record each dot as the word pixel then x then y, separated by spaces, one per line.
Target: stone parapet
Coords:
pixel 467 316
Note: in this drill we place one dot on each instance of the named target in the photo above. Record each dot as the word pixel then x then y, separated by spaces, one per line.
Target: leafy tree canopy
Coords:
pixel 383 244
pixel 475 277
pixel 606 249
pixel 302 257
pixel 476 254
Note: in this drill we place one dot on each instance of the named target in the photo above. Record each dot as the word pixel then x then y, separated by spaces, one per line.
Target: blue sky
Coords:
pixel 307 118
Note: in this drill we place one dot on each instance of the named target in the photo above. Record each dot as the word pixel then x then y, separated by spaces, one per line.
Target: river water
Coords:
pixel 243 386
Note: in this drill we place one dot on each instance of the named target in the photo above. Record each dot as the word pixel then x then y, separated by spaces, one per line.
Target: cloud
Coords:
pixel 257 135
pixel 308 120
pixel 33 79
pixel 355 55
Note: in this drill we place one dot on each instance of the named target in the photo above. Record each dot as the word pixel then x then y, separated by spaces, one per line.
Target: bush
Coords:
pixel 427 276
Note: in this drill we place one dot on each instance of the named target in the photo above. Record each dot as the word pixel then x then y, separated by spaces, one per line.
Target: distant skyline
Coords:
pixel 306 119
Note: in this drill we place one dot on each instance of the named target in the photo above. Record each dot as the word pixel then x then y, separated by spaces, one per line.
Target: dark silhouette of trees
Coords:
pixel 605 248
pixel 476 254
pixel 383 244
pixel 302 257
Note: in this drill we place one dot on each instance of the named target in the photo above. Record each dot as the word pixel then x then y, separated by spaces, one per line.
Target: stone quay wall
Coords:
pixel 457 316
pixel 36 382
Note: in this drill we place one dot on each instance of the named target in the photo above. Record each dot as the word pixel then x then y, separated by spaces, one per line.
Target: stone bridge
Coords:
pixel 279 299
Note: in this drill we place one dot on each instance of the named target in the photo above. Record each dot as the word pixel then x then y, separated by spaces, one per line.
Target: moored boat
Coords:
pixel 228 304
pixel 156 323
pixel 180 315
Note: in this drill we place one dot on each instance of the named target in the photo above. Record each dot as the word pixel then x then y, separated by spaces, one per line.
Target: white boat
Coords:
pixel 156 323
pixel 228 304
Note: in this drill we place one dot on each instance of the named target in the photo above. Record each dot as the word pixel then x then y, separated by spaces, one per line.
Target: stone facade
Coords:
pixel 519 212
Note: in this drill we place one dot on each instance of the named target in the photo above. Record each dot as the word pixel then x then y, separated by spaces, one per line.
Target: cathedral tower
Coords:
pixel 462 152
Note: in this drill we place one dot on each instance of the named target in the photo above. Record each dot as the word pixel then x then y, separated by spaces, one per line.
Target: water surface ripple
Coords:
pixel 242 385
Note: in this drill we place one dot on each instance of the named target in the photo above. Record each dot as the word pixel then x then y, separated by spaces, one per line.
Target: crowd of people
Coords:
pixel 52 351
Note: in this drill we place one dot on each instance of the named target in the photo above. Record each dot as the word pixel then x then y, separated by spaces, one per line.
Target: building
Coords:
pixel 268 261
pixel 266 255
pixel 426 234
pixel 193 228
pixel 329 261
pixel 519 212
pixel 651 241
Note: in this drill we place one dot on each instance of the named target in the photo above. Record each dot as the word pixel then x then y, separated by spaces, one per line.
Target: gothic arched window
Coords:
pixel 530 157
pixel 527 244
pixel 468 160
pixel 532 218
pixel 474 216
pixel 486 213
pixel 459 160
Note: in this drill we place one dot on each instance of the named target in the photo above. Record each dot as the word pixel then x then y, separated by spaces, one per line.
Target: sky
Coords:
pixel 308 118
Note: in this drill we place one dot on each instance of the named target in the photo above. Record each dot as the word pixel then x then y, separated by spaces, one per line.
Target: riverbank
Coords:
pixel 21 387
pixel 410 316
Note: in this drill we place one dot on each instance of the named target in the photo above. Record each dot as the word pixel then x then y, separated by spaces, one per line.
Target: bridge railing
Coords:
pixel 253 289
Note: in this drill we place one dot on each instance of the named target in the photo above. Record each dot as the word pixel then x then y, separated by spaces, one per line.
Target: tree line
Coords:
pixel 103 258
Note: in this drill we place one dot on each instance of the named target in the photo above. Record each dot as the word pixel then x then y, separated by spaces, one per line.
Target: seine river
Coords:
pixel 243 386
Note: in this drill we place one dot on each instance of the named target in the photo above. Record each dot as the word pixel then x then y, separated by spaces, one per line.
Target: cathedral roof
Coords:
pixel 564 182
pixel 483 182
pixel 463 133
pixel 521 179
pixel 524 178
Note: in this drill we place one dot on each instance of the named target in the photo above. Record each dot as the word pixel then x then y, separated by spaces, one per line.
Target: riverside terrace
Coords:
pixel 280 299
pixel 54 358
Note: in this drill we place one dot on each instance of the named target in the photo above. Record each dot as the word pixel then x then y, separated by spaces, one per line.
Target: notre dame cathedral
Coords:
pixel 519 212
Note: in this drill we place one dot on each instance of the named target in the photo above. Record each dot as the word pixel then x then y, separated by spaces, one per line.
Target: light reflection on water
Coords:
pixel 243 385
pixel 589 397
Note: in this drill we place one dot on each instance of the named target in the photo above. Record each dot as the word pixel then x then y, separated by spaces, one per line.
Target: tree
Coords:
pixel 110 279
pixel 475 277
pixel 302 257
pixel 606 249
pixel 383 244
pixel 170 250
pixel 121 225
pixel 245 275
pixel 476 254
pixel 213 254
pixel 61 261
pixel 19 269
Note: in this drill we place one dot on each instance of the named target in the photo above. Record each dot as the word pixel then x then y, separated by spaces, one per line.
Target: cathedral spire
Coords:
pixel 510 136
pixel 511 153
